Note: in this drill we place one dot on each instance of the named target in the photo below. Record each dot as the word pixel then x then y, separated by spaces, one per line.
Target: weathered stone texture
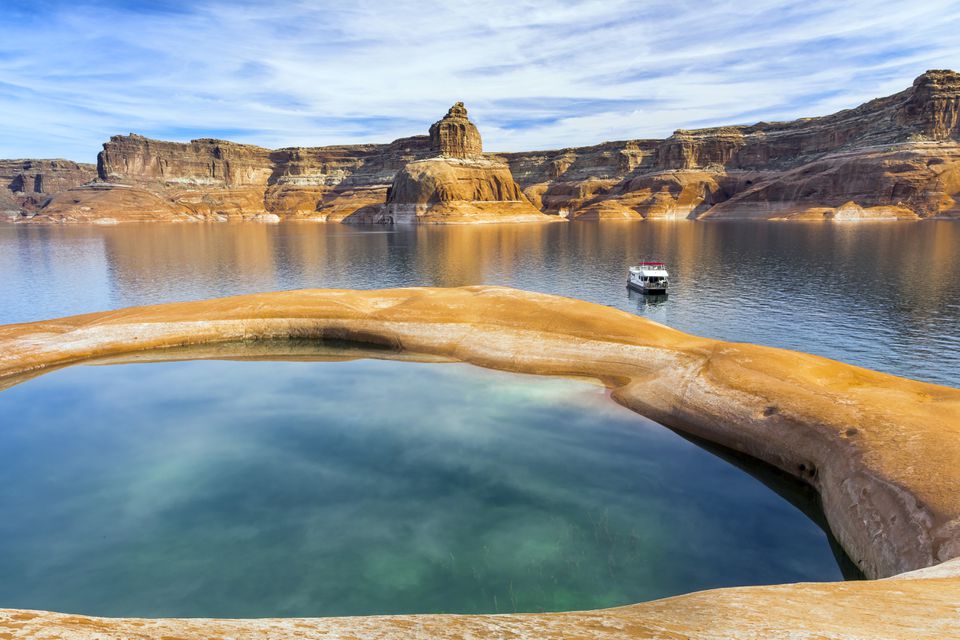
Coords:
pixel 897 156
pixel 455 136
pixel 26 184
pixel 881 450
pixel 458 190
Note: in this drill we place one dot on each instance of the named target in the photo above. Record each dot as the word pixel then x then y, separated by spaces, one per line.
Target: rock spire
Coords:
pixel 455 136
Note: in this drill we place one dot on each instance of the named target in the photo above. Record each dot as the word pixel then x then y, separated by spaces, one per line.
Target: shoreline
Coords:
pixel 879 449
pixel 307 220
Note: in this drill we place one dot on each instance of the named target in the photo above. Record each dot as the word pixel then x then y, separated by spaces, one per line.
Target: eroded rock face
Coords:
pixel 892 157
pixel 216 179
pixel 434 181
pixel 456 190
pixel 110 204
pixel 915 180
pixel 25 185
pixel 458 185
pixel 667 194
pixel 455 136
pixel 927 110
pixel 897 156
pixel 934 105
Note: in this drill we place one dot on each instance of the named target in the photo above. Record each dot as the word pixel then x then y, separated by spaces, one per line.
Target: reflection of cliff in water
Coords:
pixel 878 295
pixel 793 490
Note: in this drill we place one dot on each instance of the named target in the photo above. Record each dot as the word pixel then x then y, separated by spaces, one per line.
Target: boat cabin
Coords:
pixel 649 277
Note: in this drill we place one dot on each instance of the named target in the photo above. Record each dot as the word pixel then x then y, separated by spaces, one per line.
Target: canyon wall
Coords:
pixel 893 157
pixel 25 185
pixel 211 179
pixel 458 184
pixel 897 156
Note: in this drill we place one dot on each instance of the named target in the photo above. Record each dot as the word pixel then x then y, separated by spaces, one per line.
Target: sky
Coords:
pixel 534 75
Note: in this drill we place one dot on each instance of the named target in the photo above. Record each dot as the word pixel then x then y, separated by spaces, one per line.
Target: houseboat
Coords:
pixel 649 277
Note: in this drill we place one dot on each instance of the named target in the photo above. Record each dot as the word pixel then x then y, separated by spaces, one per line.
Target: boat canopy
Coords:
pixel 650 268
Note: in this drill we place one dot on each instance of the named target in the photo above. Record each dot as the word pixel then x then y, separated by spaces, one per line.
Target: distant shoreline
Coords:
pixel 896 157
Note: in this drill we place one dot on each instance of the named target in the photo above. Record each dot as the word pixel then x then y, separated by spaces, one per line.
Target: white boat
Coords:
pixel 649 277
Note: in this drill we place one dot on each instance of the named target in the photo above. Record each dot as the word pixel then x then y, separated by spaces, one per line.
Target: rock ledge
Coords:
pixel 881 450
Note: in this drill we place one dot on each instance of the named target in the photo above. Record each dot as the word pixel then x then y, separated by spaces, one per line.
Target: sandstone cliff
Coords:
pixel 456 190
pixel 25 185
pixel 893 157
pixel 457 185
pixel 455 136
pixel 218 180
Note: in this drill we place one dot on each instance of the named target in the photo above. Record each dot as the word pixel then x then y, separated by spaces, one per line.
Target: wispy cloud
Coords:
pixel 534 74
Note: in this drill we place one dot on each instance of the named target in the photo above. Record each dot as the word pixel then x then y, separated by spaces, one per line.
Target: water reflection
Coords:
pixel 885 296
pixel 303 488
pixel 647 302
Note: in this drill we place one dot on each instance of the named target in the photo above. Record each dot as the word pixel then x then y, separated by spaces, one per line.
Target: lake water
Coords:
pixel 880 295
pixel 306 488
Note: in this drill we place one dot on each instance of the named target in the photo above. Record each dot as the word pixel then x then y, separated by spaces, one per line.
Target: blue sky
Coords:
pixel 534 75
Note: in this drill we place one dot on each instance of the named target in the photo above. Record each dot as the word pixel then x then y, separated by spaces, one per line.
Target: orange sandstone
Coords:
pixel 882 451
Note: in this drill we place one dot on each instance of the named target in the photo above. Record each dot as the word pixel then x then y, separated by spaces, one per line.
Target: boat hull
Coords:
pixel 643 289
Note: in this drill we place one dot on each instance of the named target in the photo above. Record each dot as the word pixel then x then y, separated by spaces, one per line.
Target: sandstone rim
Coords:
pixel 881 450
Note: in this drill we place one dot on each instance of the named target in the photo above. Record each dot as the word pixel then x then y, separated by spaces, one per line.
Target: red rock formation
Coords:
pixel 894 157
pixel 216 179
pixel 445 190
pixel 560 182
pixel 934 105
pixel 897 156
pixel 455 136
pixel 26 184
pixel 458 185
pixel 110 204
pixel 905 181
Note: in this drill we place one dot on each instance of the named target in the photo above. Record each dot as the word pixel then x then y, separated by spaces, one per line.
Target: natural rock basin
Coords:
pixel 881 451
pixel 205 488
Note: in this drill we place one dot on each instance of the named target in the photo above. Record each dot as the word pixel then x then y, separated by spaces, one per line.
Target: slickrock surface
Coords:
pixel 25 185
pixel 896 157
pixel 881 450
pixel 907 609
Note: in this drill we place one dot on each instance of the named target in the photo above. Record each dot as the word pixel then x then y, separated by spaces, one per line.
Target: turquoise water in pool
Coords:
pixel 272 488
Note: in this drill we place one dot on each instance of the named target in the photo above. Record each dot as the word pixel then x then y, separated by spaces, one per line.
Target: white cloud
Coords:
pixel 534 74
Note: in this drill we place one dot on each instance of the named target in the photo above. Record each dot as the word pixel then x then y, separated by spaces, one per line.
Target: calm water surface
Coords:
pixel 881 295
pixel 261 488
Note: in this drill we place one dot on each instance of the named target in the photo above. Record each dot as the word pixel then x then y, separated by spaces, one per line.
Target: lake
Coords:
pixel 309 488
pixel 880 295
